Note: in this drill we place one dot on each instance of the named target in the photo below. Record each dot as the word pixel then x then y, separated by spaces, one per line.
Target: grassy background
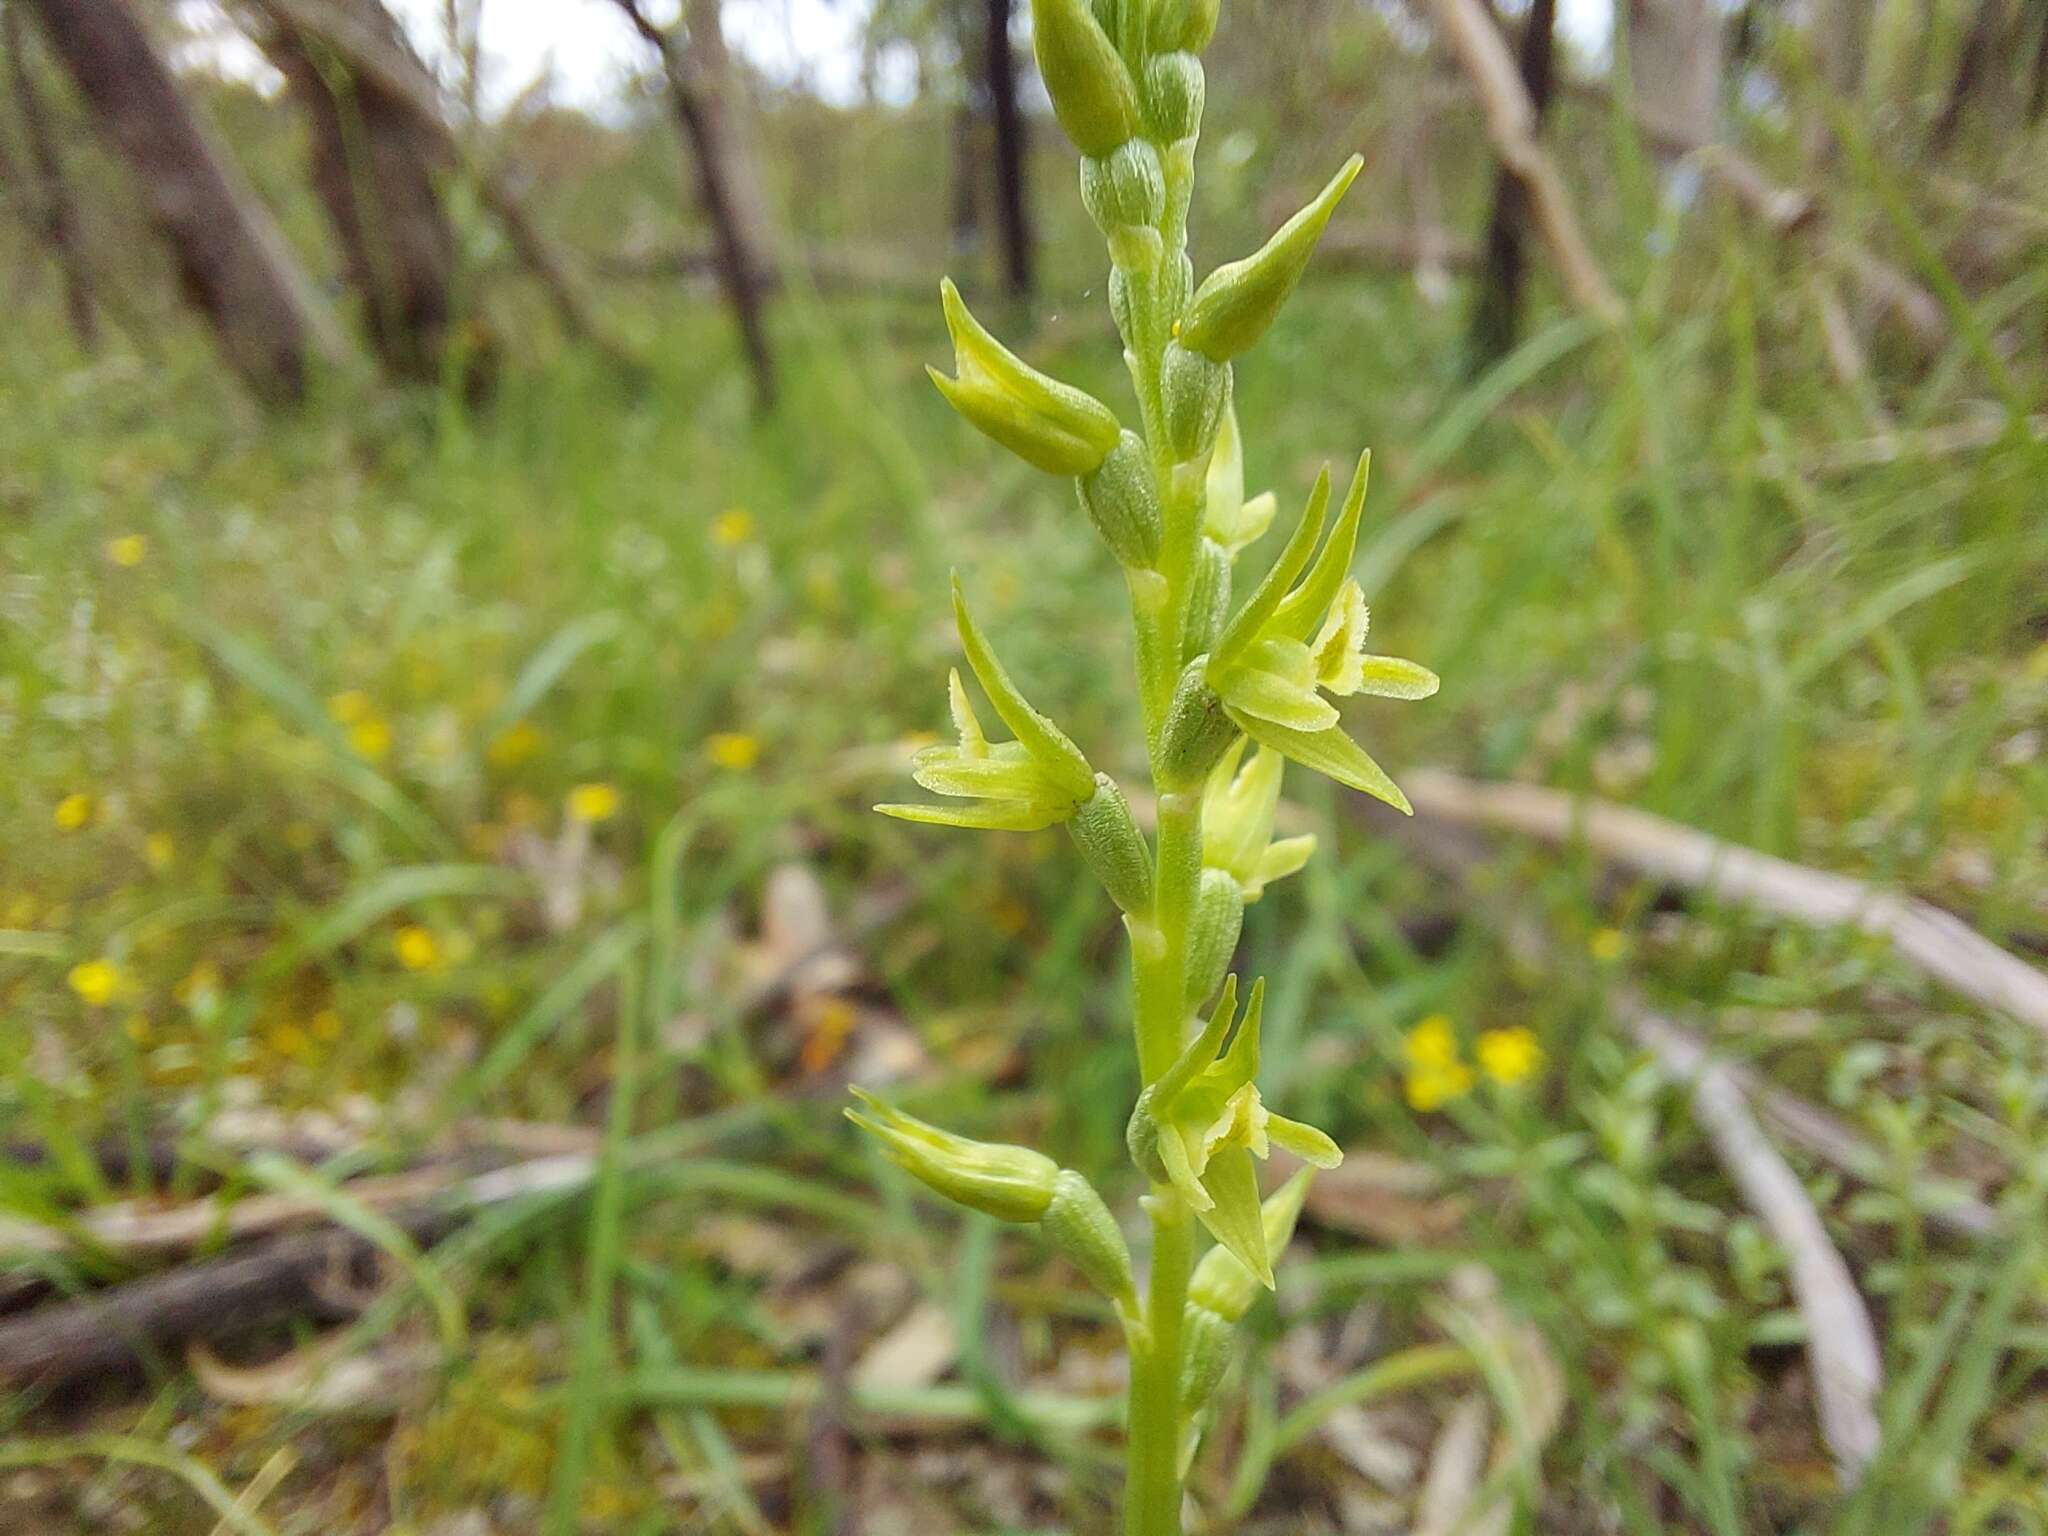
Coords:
pixel 369 652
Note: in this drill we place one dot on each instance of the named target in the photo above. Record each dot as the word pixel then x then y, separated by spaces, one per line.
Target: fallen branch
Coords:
pixel 1511 125
pixel 1937 942
pixel 1841 1346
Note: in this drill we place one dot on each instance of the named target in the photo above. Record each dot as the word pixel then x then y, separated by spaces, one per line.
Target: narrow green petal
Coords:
pixel 1270 696
pixel 983 815
pixel 1249 620
pixel 1304 1141
pixel 1391 677
pixel 1280 860
pixel 1180 1173
pixel 1330 752
pixel 1305 606
pixel 1046 741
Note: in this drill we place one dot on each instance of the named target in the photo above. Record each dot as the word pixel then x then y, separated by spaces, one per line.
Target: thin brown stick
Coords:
pixel 1511 125
pixel 1937 942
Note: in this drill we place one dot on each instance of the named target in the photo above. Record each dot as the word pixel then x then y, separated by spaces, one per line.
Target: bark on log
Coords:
pixel 55 213
pixel 232 262
pixel 373 167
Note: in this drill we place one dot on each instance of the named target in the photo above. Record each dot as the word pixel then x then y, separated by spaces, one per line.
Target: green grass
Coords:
pixel 1618 552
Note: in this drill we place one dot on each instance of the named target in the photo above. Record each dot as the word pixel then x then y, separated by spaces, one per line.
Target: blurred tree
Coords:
pixel 699 76
pixel 232 262
pixel 52 211
pixel 373 166
pixel 1012 216
pixel 1497 316
pixel 970 112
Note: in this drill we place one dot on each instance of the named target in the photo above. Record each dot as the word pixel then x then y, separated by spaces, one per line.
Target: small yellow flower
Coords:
pixel 159 849
pixel 734 750
pixel 1606 945
pixel 735 525
pixel 97 981
pixel 831 1021
pixel 1509 1055
pixel 371 738
pixel 593 803
pixel 326 1025
pixel 130 549
pixel 73 811
pixel 1432 1044
pixel 415 947
pixel 348 707
pixel 288 1039
pixel 1431 1088
pixel 513 745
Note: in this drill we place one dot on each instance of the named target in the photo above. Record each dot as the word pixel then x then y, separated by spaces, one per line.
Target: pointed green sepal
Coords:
pixel 1250 619
pixel 1304 607
pixel 1233 1214
pixel 1053 426
pixel 1236 302
pixel 1223 1286
pixel 1046 742
pixel 1328 752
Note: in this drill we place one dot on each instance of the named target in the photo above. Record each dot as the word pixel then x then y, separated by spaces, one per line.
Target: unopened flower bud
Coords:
pixel 1125 187
pixel 1121 498
pixel 1205 1355
pixel 1114 847
pixel 1237 301
pixel 1006 1182
pixel 1091 90
pixel 1208 597
pixel 1193 389
pixel 1213 930
pixel 1196 731
pixel 1080 1226
pixel 1054 426
pixel 1174 89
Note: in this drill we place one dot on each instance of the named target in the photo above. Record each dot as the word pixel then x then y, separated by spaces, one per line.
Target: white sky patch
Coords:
pixel 586 49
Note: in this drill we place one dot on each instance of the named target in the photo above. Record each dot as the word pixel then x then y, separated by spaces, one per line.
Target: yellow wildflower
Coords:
pixel 73 811
pixel 159 849
pixel 288 1039
pixel 1431 1088
pixel 371 738
pixel 735 525
pixel 348 707
pixel 1509 1055
pixel 1432 1044
pixel 593 803
pixel 513 745
pixel 130 549
pixel 734 750
pixel 1606 945
pixel 97 981
pixel 326 1025
pixel 831 1021
pixel 415 947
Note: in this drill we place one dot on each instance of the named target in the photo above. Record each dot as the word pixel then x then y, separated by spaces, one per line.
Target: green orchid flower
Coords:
pixel 1201 1125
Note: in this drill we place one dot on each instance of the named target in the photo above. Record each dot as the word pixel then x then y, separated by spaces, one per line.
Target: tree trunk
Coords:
pixel 1012 211
pixel 1496 318
pixel 232 262
pixel 968 113
pixel 373 167
pixel 1979 47
pixel 698 77
pixel 54 210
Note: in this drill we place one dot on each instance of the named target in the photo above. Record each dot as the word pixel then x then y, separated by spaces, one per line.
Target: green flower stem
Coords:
pixel 1152 1492
pixel 1152 1477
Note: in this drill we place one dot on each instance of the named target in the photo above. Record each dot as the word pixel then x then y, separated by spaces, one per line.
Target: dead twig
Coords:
pixel 1937 942
pixel 1511 125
